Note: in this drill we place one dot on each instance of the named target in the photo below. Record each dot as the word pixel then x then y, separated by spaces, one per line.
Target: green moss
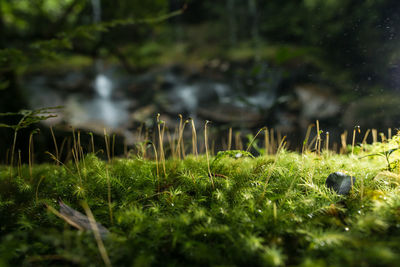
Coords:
pixel 264 211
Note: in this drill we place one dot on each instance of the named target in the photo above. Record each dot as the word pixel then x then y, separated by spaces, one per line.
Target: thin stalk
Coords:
pixel 357 128
pixel 327 142
pixel 96 232
pixel 272 135
pixel 55 143
pixel 157 167
pixel 75 146
pixel 279 136
pixel 163 150
pixel 266 141
pixel 37 188
pixel 383 138
pixel 80 149
pixel 161 142
pixel 62 146
pixel 55 159
pixel 308 133
pixel 15 141
pixel 31 146
pixel 140 132
pixel 12 152
pixel 343 139
pixel 254 138
pixel 318 142
pixel 390 133
pixel 364 141
pixel 230 138
pixel 194 139
pixel 374 135
pixel 206 146
pixel 313 142
pixel 178 146
pixel 30 155
pixel 153 137
pixel 107 143
pixel 92 142
pixel 146 138
pixel 269 174
pixel 65 218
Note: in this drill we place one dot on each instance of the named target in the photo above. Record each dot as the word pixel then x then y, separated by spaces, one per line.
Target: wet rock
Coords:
pixel 317 102
pixel 226 113
pixel 340 183
pixel 73 81
pixel 187 98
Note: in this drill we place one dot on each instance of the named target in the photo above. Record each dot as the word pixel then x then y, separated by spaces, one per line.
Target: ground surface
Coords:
pixel 264 211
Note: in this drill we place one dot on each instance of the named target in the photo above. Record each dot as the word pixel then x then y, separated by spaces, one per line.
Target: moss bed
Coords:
pixel 266 211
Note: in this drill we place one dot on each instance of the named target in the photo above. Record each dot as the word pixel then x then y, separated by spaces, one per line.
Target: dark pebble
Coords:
pixel 340 182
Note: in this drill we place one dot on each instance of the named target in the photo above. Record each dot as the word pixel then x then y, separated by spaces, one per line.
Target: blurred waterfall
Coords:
pixel 103 108
pixel 102 84
pixel 96 6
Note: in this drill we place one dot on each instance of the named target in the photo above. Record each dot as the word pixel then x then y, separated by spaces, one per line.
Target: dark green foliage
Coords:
pixel 386 155
pixel 265 211
pixel 29 117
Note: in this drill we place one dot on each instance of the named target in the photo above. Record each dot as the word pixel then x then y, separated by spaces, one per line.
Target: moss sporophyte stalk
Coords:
pixel 184 208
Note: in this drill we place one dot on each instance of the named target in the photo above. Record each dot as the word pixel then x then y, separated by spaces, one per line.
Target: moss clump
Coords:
pixel 263 211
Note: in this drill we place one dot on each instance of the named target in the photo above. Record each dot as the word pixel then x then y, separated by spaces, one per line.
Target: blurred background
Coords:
pixel 240 64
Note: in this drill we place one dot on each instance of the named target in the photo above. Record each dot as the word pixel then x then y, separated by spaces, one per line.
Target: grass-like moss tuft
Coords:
pixel 270 210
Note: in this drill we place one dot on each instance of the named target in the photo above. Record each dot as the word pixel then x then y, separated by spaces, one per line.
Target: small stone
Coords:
pixel 340 182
